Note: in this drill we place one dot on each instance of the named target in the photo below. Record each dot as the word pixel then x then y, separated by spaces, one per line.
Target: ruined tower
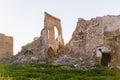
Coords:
pixel 6 46
pixel 45 47
pixel 48 36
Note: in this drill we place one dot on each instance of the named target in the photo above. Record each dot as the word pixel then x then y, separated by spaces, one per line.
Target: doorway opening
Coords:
pixel 106 58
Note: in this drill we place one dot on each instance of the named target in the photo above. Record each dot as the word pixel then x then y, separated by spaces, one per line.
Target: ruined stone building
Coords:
pixel 94 42
pixel 49 39
pixel 98 40
pixel 6 46
pixel 47 45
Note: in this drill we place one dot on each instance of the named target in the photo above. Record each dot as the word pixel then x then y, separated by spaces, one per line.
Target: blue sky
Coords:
pixel 23 19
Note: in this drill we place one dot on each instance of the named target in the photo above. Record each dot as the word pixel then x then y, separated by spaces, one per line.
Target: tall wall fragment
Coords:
pixel 6 46
pixel 45 47
pixel 48 35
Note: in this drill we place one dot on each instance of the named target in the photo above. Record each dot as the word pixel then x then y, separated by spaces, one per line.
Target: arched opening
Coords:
pixel 106 58
pixel 56 33
pixel 51 52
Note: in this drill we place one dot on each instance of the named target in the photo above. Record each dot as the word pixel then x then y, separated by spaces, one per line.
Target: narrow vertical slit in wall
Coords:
pixel 56 33
pixel 48 34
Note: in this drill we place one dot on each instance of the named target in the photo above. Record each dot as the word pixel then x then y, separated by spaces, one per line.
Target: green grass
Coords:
pixel 47 71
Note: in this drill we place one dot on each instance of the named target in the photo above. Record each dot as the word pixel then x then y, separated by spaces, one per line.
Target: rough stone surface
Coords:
pixel 29 52
pixel 98 40
pixel 45 47
pixel 94 42
pixel 6 46
pixel 48 35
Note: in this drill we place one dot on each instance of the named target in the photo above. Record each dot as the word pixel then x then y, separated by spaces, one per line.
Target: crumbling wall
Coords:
pixel 50 23
pixel 45 47
pixel 101 33
pixel 94 41
pixel 29 52
pixel 113 44
pixel 48 35
pixel 87 36
pixel 6 46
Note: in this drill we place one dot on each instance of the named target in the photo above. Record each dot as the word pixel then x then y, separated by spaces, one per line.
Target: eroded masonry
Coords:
pixel 94 42
pixel 50 41
pixel 45 47
pixel 98 40
pixel 6 46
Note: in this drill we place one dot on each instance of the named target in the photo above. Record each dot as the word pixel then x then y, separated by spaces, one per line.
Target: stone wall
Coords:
pixel 6 46
pixel 50 23
pixel 45 47
pixel 94 42
pixel 87 36
pixel 48 35
pixel 99 34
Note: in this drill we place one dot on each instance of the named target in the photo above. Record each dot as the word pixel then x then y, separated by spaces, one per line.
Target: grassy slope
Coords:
pixel 50 72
